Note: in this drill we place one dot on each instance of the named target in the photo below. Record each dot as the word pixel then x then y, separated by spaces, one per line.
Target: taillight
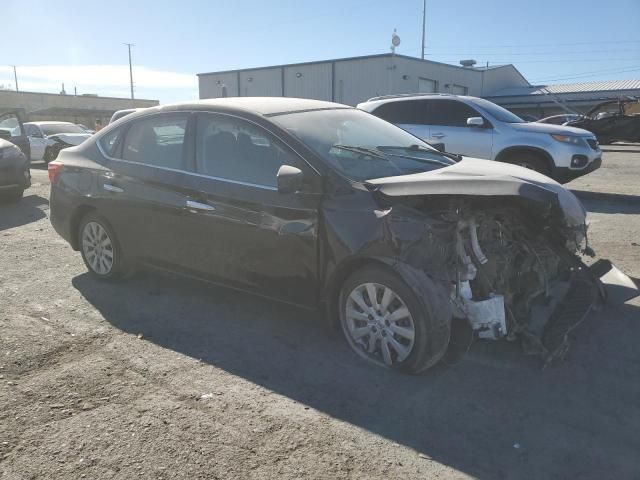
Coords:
pixel 54 169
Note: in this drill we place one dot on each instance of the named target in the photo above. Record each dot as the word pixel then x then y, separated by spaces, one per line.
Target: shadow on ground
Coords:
pixel 22 212
pixel 495 415
pixel 602 202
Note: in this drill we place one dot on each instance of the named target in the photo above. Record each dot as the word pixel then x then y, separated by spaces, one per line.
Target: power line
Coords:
pixel 527 45
pixel 579 52
pixel 595 73
pixel 586 60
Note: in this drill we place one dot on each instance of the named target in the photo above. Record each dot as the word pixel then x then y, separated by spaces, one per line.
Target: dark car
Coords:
pixel 325 206
pixel 613 121
pixel 15 176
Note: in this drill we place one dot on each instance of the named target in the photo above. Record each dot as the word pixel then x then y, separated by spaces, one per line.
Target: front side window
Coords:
pixel 233 149
pixel 156 141
pixel 496 111
pixel 32 131
pixel 361 146
pixel 451 113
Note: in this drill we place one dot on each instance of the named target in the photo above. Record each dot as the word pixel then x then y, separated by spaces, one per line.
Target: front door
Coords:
pixel 448 119
pixel 241 229
pixel 12 129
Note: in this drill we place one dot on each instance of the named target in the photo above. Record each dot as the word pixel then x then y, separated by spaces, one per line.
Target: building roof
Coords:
pixel 584 87
pixel 346 59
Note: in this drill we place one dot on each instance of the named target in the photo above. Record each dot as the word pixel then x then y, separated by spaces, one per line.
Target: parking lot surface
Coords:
pixel 161 377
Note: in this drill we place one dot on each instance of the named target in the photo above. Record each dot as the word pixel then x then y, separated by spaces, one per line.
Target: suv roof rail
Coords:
pixel 403 95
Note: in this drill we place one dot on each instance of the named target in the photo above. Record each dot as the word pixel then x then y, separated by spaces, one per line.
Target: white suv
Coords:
pixel 478 128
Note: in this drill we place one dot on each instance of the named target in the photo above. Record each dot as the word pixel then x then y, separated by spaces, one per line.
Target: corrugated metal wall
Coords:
pixel 353 80
pixel 308 81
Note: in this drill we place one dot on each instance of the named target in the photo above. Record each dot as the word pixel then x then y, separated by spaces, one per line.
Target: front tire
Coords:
pixel 100 249
pixel 13 197
pixel 532 162
pixel 385 323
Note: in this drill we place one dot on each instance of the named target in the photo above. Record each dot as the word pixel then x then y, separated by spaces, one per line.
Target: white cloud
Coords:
pixel 100 79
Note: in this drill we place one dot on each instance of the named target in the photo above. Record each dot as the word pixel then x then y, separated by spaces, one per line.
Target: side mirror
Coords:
pixel 475 122
pixel 289 179
pixel 5 134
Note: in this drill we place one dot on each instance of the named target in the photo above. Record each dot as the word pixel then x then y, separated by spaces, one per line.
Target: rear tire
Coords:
pixel 396 317
pixel 100 249
pixel 532 162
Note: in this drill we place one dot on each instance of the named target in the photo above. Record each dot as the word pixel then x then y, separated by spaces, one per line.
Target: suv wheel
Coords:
pixel 384 322
pixel 532 162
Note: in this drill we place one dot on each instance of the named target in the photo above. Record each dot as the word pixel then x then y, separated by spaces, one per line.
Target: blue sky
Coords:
pixel 80 43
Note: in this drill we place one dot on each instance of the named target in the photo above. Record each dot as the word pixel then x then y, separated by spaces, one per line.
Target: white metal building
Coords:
pixel 353 80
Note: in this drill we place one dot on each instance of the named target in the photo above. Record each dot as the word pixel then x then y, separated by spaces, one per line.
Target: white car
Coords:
pixel 46 139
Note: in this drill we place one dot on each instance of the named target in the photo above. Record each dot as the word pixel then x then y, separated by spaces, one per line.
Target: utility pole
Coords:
pixel 424 21
pixel 15 77
pixel 129 45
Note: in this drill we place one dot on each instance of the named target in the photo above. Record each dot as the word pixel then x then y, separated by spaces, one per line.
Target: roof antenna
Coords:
pixel 395 41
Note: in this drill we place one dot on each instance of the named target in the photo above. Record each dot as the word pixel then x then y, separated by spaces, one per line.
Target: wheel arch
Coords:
pixel 509 152
pixel 74 224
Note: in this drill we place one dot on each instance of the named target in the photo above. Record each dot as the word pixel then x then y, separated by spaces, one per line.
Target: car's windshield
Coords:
pixel 55 128
pixel 362 146
pixel 499 113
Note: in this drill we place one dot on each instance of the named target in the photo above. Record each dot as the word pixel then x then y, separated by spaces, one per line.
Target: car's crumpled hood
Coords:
pixel 551 129
pixel 71 138
pixel 472 176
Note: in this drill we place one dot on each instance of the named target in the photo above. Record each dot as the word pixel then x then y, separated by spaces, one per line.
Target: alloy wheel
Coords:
pixel 378 324
pixel 98 248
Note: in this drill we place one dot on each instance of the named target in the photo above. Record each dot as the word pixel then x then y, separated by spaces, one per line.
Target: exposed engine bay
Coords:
pixel 513 279
pixel 514 273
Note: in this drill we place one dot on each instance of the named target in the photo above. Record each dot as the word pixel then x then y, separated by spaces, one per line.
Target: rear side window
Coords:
pixel 157 141
pixel 109 142
pixel 451 113
pixel 404 112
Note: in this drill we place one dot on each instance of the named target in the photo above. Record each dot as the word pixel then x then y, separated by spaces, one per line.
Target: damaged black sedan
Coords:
pixel 328 207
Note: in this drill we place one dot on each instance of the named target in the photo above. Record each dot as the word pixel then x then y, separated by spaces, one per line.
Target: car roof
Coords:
pixel 266 106
pixel 402 97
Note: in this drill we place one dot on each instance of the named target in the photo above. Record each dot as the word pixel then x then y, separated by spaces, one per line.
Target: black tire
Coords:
pixel 430 339
pixel 118 268
pixel 532 162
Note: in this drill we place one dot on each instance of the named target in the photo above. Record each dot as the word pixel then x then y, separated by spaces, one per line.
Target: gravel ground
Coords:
pixel 162 377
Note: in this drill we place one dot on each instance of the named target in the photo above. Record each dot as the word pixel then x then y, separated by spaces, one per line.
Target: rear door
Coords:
pixel 241 229
pixel 448 119
pixel 145 191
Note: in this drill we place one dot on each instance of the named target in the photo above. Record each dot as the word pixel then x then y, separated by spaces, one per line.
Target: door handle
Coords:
pixel 200 206
pixel 438 135
pixel 112 188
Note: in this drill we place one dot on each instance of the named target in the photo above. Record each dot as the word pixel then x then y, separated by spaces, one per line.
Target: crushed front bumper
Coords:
pixel 600 283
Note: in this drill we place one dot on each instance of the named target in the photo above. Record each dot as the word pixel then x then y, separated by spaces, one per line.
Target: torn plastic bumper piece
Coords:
pixel 602 282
